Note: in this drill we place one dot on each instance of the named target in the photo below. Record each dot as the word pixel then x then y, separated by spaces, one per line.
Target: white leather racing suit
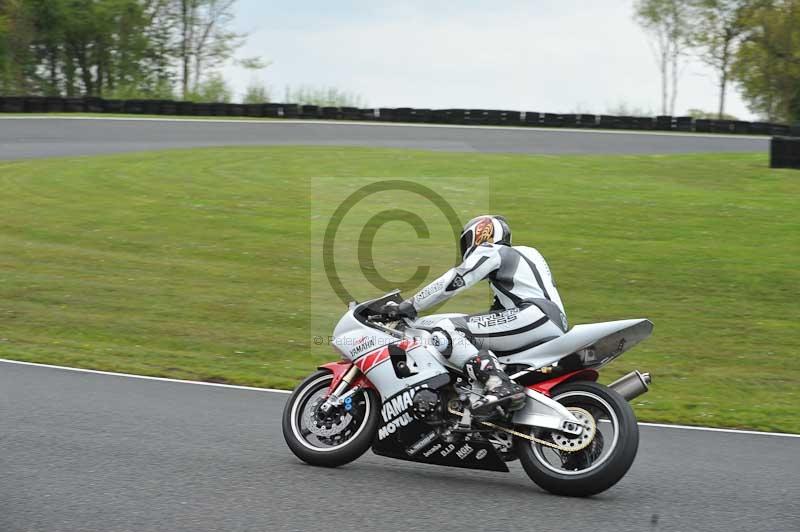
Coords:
pixel 527 308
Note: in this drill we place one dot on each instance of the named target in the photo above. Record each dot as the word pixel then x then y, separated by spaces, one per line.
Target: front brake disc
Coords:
pixel 328 427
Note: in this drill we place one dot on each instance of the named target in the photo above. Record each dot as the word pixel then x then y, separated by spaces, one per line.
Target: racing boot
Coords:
pixel 499 390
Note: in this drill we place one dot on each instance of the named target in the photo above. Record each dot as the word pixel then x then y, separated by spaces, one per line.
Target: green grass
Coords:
pixel 195 263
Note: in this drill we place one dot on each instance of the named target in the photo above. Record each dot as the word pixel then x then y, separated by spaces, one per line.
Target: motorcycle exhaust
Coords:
pixel 632 385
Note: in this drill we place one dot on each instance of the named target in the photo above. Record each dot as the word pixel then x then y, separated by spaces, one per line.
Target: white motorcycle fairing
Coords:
pixel 368 345
pixel 596 344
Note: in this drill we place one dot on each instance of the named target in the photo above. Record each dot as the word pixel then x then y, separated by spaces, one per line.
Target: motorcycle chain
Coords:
pixel 534 439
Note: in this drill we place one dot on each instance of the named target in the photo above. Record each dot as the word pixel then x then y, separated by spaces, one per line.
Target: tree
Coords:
pixel 205 38
pixel 48 19
pixel 719 26
pixel 667 21
pixel 122 48
pixel 17 65
pixel 324 96
pixel 88 46
pixel 699 113
pixel 767 65
pixel 160 30
pixel 624 109
pixel 212 88
pixel 256 92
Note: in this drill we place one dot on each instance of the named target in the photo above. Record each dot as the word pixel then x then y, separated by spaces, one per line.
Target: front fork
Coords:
pixel 338 395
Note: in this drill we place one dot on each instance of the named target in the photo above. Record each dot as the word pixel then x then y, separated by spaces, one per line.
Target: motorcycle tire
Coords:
pixel 334 455
pixel 604 472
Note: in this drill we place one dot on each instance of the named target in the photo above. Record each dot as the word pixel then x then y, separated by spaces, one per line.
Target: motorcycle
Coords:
pixel 395 391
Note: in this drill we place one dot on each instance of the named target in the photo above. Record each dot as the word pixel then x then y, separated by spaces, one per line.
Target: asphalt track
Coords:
pixel 88 452
pixel 25 137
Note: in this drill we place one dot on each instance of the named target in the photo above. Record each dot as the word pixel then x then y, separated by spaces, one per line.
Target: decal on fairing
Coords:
pixel 395 412
pixel 426 440
pixel 432 450
pixel 370 360
pixel 620 348
pixel 404 437
pixel 379 356
pixel 362 345
pixel 464 451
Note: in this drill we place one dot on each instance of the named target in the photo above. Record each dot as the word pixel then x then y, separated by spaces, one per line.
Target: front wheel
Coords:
pixel 332 438
pixel 599 465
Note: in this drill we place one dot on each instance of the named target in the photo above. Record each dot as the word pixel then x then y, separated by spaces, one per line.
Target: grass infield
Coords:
pixel 194 264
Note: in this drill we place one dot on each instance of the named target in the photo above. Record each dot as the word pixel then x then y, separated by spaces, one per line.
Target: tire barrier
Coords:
pixel 467 117
pixel 784 152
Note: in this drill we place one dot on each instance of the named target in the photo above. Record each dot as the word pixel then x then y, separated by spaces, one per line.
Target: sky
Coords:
pixel 556 56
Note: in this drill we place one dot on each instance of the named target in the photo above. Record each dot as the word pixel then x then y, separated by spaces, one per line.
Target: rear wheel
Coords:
pixel 330 438
pixel 601 463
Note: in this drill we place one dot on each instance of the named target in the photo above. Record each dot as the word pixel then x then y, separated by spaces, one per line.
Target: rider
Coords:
pixel 526 312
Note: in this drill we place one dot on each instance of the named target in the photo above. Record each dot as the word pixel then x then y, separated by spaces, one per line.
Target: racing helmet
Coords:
pixel 481 229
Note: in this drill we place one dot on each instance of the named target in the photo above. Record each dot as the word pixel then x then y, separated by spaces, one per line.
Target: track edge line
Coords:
pixel 143 377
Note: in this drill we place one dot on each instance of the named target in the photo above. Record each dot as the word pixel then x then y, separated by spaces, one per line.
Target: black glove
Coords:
pixel 403 310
